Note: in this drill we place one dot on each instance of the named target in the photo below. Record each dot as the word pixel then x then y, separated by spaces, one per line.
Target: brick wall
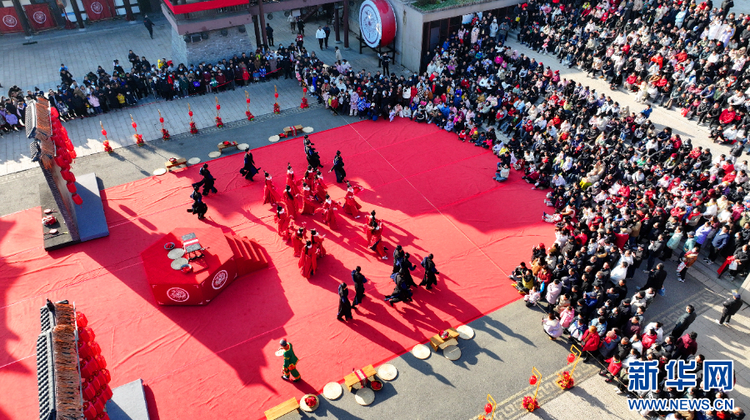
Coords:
pixel 213 49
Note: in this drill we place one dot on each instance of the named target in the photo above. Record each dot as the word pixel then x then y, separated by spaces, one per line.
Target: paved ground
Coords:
pixel 100 45
pixel 508 342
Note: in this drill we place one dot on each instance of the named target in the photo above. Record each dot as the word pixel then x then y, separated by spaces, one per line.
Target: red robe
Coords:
pixel 351 206
pixel 376 240
pixel 307 262
pixel 269 193
pixel 321 189
pixel 292 184
pixel 307 206
pixel 298 242
pixel 282 225
pixel 291 204
pixel 317 241
pixel 329 216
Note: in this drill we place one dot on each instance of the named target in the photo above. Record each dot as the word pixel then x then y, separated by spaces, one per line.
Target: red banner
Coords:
pixel 39 16
pixel 9 22
pixel 98 9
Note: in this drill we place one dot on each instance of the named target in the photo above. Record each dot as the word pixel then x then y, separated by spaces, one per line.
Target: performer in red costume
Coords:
pixel 290 201
pixel 307 261
pixel 309 177
pixel 370 220
pixel 282 223
pixel 317 241
pixel 290 179
pixel 321 189
pixel 376 239
pixel 351 206
pixel 307 206
pixel 299 239
pixel 329 216
pixel 269 191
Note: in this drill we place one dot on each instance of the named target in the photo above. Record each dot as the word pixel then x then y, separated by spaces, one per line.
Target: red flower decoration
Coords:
pixel 311 401
pixel 250 115
pixel 530 403
pixel 376 385
pixel 193 128
pixel 219 122
pixel 165 134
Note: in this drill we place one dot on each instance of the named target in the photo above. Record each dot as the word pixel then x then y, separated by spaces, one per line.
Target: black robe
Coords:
pixel 345 307
pixel 338 168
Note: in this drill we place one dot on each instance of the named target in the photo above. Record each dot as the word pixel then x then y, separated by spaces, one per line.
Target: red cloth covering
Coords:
pixel 39 16
pixel 9 22
pixel 98 9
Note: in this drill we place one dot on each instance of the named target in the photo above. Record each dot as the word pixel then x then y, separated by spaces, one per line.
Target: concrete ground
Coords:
pixel 508 342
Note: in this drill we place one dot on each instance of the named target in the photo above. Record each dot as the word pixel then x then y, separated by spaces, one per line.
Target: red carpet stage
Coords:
pixel 435 193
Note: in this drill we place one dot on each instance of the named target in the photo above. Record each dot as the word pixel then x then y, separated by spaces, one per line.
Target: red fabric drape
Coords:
pixel 9 21
pixel 98 9
pixel 39 16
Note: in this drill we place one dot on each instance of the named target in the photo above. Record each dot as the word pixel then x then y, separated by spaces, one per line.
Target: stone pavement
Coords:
pixel 100 45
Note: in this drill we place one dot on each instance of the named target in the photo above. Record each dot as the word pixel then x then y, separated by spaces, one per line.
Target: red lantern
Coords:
pixel 190 113
pixel 100 361
pixel 107 376
pixel 89 392
pixel 134 125
pixel 247 100
pixel 103 416
pixel 88 409
pixel 488 408
pixel 304 90
pixel 532 380
pixel 71 187
pixel 99 405
pixel 86 334
pixel 81 320
pixel 571 358
pixel 161 120
pixel 60 161
pixel 104 133
pixel 72 153
pixel 107 392
pixel 78 200
pixel 218 106
pixel 276 95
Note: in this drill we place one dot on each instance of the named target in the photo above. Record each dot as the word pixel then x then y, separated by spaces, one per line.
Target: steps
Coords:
pixel 248 254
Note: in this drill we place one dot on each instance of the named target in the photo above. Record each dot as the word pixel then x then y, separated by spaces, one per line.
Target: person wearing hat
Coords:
pixel 338 167
pixel 430 272
pixel 359 286
pixel 731 306
pixel 289 371
pixel 345 307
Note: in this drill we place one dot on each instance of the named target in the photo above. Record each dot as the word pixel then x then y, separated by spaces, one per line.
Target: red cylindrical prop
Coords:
pixel 89 391
pixel 72 153
pixel 101 361
pixel 107 392
pixel 81 320
pixel 77 199
pixel 86 334
pixel 107 376
pixel 88 369
pixel 103 416
pixel 247 100
pixel 71 187
pixel 99 405
pixel 95 349
pixel 89 411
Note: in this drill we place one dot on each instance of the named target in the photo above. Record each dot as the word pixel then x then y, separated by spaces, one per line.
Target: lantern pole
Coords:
pixel 538 375
pixel 575 350
pixel 164 132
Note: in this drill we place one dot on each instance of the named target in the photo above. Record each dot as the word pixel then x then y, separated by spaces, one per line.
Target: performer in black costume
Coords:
pixel 405 270
pixel 207 182
pixel 359 286
pixel 338 167
pixel 249 170
pixel 430 272
pixel 345 307
pixel 313 158
pixel 199 207
pixel 401 293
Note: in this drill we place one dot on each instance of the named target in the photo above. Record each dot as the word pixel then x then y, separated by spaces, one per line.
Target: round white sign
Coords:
pixel 97 7
pixel 10 21
pixel 370 24
pixel 220 279
pixel 39 17
pixel 178 294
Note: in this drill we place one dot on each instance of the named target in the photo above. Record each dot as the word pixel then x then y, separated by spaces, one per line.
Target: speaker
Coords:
pixel 196 37
pixel 242 29
pixel 187 39
pixel 204 35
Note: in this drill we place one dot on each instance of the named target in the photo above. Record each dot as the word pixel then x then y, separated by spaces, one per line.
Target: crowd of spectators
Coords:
pixel 625 196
